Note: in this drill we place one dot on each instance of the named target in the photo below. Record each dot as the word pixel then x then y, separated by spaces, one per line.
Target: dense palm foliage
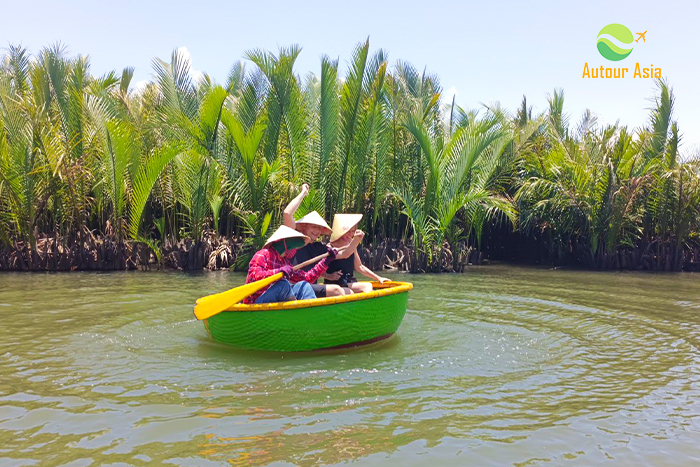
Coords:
pixel 596 190
pixel 177 159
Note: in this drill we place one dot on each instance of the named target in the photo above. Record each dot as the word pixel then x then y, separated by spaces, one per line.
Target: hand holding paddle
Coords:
pixel 211 305
pixel 287 271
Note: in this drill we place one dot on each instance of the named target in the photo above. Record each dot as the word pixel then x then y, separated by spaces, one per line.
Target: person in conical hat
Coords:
pixel 286 237
pixel 275 257
pixel 313 226
pixel 343 224
pixel 346 234
pixel 313 222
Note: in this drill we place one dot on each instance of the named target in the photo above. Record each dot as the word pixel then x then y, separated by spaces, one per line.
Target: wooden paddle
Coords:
pixel 211 305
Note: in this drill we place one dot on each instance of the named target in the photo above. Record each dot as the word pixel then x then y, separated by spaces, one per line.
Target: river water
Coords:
pixel 496 366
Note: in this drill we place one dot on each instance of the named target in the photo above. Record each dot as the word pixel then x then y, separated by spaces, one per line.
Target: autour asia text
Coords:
pixel 609 72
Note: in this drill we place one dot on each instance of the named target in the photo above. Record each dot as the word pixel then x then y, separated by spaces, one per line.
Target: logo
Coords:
pixel 615 53
pixel 608 49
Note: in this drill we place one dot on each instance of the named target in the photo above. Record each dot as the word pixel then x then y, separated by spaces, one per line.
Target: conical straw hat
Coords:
pixel 342 223
pixel 314 218
pixel 284 232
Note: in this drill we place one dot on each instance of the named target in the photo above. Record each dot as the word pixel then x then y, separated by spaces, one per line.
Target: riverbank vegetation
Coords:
pixel 97 173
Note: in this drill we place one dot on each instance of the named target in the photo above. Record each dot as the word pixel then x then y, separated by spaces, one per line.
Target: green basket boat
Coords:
pixel 322 323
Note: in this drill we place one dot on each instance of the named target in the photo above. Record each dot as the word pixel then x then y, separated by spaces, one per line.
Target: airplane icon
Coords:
pixel 641 36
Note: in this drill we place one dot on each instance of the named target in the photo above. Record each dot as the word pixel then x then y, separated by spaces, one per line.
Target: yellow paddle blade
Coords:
pixel 211 305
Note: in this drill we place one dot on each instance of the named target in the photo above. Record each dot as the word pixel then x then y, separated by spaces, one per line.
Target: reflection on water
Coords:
pixel 498 366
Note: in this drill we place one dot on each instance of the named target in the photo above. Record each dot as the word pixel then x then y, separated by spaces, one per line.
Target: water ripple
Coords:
pixel 499 366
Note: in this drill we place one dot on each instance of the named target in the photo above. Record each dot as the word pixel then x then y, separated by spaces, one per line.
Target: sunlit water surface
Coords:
pixel 497 366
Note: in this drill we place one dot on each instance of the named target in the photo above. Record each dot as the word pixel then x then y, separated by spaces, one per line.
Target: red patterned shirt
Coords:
pixel 267 262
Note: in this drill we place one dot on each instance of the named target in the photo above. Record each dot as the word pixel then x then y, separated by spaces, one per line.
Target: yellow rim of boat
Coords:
pixel 380 290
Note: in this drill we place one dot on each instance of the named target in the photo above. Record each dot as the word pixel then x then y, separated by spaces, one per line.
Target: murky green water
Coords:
pixel 498 366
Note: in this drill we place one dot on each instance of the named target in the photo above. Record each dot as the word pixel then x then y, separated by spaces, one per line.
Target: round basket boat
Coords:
pixel 322 323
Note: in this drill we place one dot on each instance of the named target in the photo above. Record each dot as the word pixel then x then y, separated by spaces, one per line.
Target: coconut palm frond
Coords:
pixel 328 130
pixel 145 181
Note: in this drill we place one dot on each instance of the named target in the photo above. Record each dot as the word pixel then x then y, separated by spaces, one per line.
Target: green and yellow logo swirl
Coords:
pixel 609 50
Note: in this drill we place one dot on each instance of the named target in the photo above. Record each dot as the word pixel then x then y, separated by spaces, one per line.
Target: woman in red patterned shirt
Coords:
pixel 276 257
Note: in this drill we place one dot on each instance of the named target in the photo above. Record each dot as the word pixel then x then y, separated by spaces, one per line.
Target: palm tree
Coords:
pixel 24 175
pixel 286 113
pixel 192 116
pixel 460 176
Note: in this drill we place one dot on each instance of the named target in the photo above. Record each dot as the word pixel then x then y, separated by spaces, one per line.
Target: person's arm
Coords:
pixel 352 246
pixel 314 273
pixel 365 271
pixel 332 276
pixel 258 268
pixel 293 206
